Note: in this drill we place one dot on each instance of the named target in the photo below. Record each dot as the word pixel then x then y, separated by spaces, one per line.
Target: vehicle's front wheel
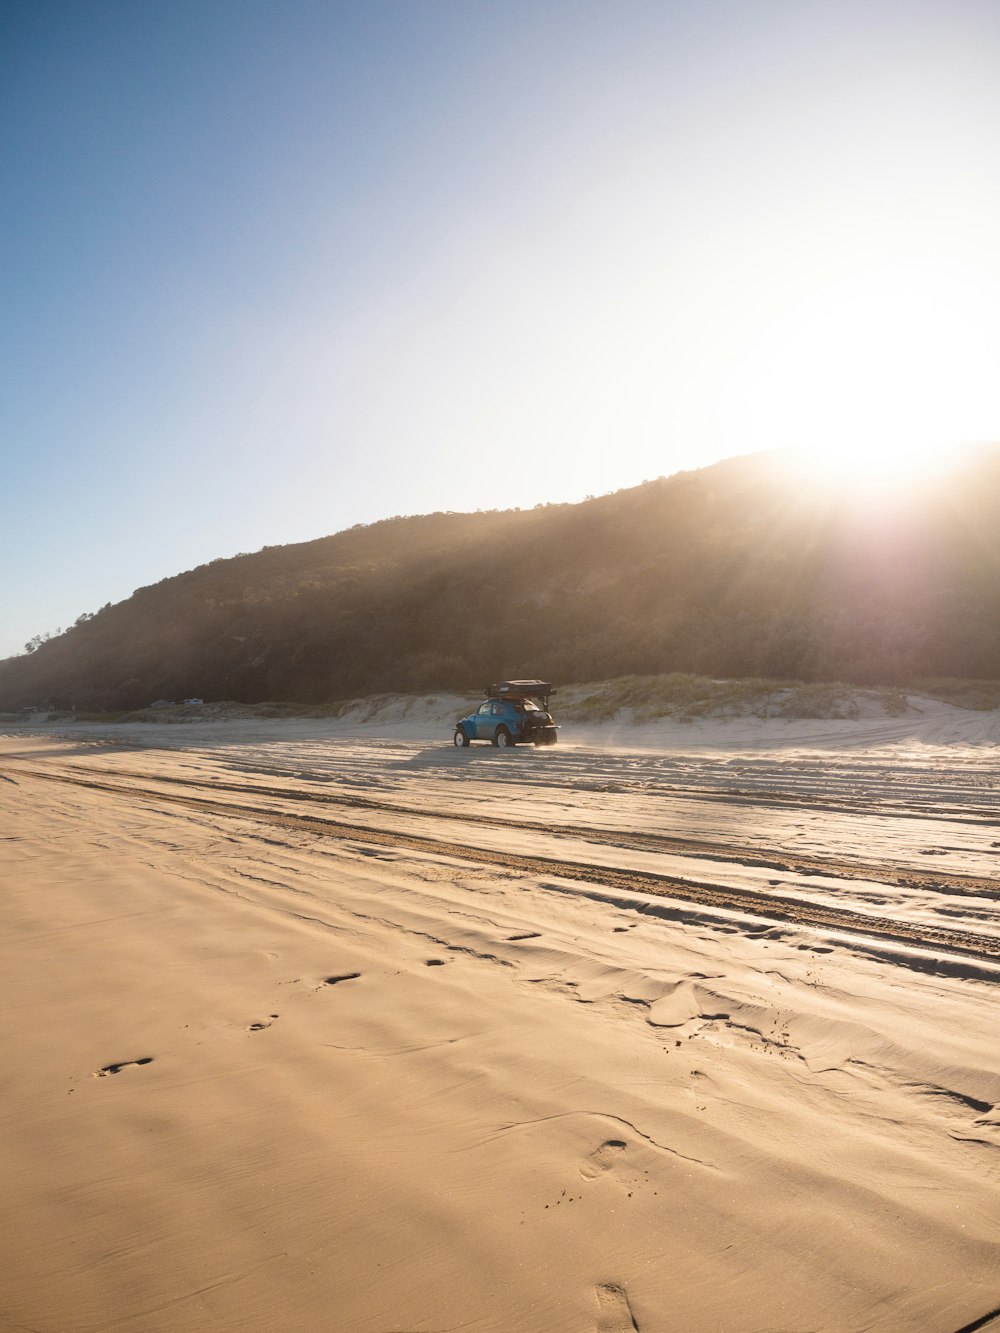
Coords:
pixel 461 740
pixel 503 738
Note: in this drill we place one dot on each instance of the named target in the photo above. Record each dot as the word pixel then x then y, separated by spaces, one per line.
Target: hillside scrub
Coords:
pixel 733 573
pixel 686 697
pixel 981 695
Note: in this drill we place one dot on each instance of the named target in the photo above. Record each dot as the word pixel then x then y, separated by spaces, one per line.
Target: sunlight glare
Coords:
pixel 875 380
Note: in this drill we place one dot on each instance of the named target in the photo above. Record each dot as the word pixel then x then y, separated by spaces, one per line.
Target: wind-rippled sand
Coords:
pixel 329 1026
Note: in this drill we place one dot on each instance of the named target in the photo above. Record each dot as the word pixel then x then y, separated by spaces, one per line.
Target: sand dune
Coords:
pixel 320 1025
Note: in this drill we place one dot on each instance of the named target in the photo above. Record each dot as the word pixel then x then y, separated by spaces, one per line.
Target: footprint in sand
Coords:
pixel 259 1027
pixel 122 1064
pixel 341 976
pixel 614 1312
pixel 602 1159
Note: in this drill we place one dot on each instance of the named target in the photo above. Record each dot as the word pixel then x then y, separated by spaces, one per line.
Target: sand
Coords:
pixel 329 1026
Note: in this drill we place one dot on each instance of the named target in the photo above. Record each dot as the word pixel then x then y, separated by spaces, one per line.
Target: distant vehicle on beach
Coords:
pixel 515 712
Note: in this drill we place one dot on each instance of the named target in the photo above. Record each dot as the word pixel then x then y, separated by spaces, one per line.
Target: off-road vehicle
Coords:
pixel 515 712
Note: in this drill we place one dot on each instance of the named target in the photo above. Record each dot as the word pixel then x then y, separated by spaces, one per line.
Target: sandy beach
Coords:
pixel 327 1025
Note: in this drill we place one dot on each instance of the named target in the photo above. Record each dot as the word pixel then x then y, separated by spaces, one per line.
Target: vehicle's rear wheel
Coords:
pixel 461 740
pixel 503 738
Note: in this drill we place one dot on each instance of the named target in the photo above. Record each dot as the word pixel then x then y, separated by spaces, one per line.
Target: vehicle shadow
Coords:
pixel 450 756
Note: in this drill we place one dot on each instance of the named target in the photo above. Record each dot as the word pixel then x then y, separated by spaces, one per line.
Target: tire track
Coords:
pixel 749 902
pixel 761 858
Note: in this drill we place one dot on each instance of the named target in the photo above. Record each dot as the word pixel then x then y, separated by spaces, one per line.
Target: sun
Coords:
pixel 873 381
pixel 870 469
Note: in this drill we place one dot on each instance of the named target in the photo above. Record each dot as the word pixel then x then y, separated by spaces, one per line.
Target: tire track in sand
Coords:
pixel 750 902
pixel 758 857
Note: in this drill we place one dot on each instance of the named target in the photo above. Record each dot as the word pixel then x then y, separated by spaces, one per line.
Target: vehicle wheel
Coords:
pixel 503 739
pixel 461 740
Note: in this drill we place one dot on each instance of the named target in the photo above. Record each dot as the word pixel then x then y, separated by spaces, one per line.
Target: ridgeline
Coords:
pixel 742 569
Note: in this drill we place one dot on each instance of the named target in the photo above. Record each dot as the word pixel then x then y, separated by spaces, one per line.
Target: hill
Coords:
pixel 737 570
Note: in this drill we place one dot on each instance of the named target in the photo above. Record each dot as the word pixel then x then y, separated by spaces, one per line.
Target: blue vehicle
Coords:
pixel 515 712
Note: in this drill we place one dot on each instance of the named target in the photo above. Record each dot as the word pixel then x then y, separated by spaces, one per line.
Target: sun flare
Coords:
pixel 867 463
pixel 874 381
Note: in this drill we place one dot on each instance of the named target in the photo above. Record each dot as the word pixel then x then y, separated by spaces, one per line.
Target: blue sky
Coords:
pixel 273 269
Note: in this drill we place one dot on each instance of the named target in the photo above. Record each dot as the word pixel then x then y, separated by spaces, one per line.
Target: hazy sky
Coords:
pixel 275 267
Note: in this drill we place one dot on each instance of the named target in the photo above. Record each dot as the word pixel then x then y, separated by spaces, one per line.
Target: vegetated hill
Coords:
pixel 737 570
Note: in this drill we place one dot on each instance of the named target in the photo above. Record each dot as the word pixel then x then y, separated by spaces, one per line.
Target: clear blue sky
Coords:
pixel 275 267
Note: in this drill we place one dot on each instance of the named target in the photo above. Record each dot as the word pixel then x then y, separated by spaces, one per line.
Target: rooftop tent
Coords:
pixel 521 689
